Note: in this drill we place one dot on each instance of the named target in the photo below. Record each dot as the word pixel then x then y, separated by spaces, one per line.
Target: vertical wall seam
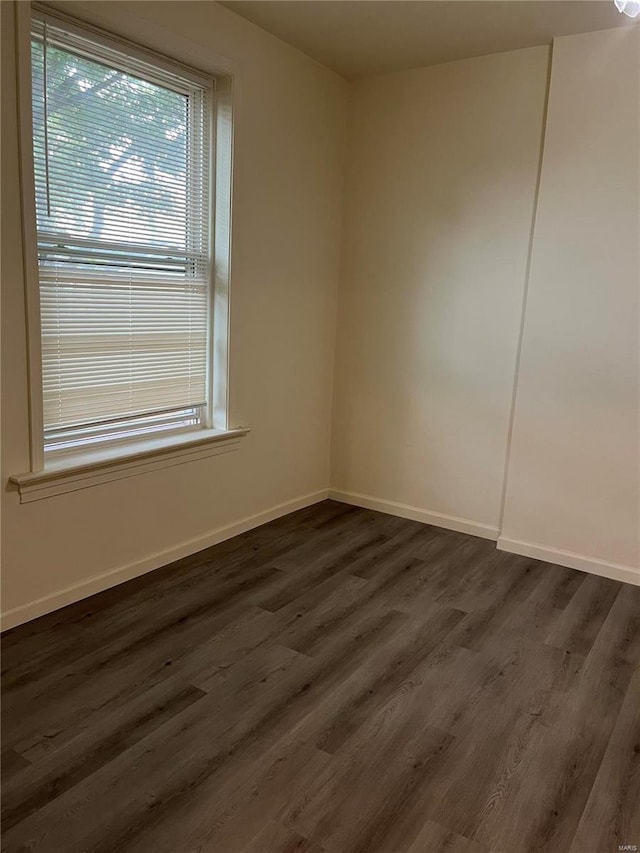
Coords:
pixel 525 294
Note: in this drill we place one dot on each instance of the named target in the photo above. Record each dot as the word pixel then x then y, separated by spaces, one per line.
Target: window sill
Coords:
pixel 90 468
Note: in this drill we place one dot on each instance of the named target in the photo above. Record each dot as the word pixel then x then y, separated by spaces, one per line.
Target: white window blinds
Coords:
pixel 121 154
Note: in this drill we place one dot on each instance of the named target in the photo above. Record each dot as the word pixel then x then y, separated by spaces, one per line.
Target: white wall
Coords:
pixel 441 178
pixel 575 458
pixel 290 117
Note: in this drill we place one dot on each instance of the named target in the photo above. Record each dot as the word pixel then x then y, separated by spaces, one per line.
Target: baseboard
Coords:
pixel 48 603
pixel 450 522
pixel 614 571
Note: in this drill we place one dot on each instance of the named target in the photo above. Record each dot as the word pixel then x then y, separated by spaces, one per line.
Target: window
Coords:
pixel 126 172
pixel 121 154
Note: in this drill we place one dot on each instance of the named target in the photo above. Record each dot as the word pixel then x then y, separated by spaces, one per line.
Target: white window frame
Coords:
pixel 72 469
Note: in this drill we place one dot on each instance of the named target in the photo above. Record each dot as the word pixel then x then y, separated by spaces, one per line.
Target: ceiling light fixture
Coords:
pixel 628 7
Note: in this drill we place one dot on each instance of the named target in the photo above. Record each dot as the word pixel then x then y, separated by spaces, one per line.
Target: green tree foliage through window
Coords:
pixel 114 151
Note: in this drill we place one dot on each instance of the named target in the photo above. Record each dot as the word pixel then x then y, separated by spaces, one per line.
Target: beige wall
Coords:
pixel 290 115
pixel 574 464
pixel 441 179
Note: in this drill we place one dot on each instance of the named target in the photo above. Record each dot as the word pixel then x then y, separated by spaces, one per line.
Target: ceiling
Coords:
pixel 359 37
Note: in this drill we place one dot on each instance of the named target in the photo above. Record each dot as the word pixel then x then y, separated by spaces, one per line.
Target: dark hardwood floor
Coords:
pixel 338 680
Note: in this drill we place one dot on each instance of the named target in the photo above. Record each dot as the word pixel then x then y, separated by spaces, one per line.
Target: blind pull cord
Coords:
pixel 46 118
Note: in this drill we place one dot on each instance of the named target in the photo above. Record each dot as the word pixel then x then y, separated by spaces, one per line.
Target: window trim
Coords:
pixel 217 425
pixel 91 468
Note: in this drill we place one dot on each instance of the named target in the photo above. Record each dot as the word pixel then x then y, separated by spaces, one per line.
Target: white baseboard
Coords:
pixel 76 592
pixel 614 571
pixel 450 522
pixel 68 595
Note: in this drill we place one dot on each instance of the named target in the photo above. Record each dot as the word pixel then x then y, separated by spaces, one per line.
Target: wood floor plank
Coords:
pixel 612 814
pixel 494 709
pixel 558 586
pixel 258 706
pixel 113 619
pixel 568 752
pixel 392 667
pixel 403 545
pixel 336 681
pixel 103 694
pixel 108 677
pixel 355 803
pixel 326 565
pixel 41 783
pixel 178 617
pixel 11 763
pixel 435 838
pixel 274 838
pixel 155 776
pixel 229 813
pixel 513 614
pixel 580 623
pixel 314 634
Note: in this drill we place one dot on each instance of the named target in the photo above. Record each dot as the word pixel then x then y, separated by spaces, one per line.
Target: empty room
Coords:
pixel 320 426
